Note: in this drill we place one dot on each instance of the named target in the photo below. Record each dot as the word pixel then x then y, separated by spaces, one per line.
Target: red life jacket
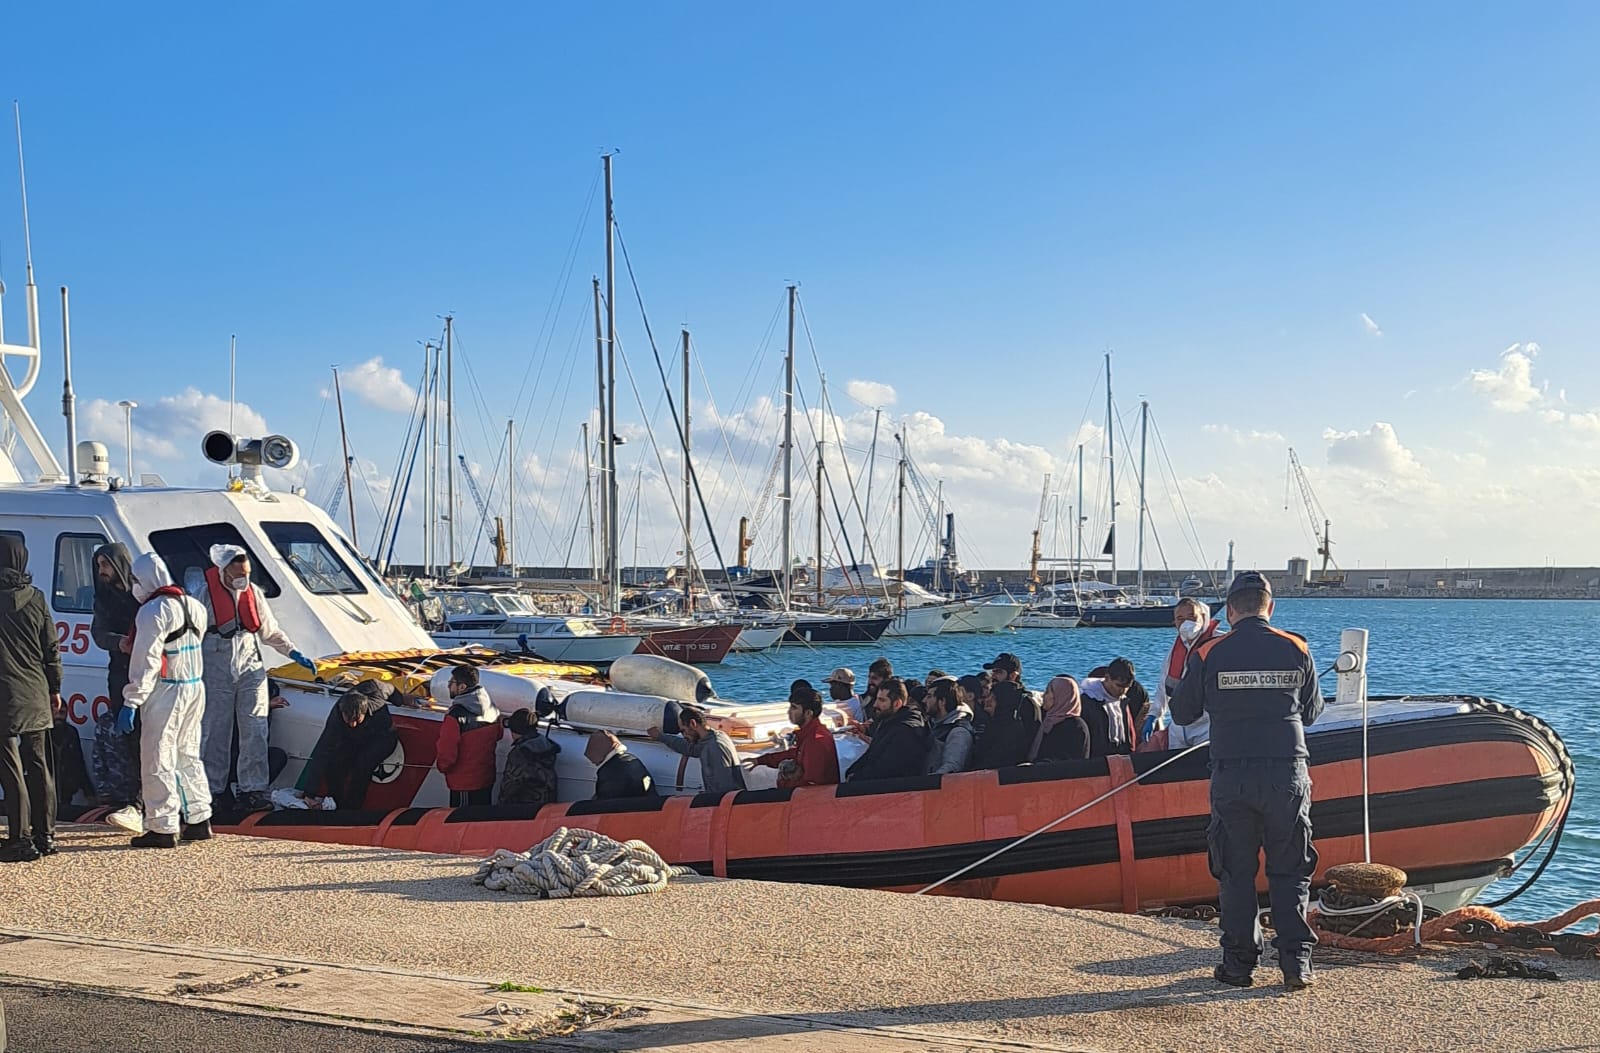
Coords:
pixel 1178 658
pixel 231 618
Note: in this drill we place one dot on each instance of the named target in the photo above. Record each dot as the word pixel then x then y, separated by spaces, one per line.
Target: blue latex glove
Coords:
pixel 299 659
pixel 1150 725
pixel 125 719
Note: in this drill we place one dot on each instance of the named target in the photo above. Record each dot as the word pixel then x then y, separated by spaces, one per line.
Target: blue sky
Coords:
pixel 976 205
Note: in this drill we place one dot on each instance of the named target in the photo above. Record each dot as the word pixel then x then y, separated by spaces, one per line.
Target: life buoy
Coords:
pixel 616 624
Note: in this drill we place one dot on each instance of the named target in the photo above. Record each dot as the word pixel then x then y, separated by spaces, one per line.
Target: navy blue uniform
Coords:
pixel 1259 686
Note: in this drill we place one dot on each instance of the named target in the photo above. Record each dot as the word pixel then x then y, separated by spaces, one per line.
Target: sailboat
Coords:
pixel 1139 609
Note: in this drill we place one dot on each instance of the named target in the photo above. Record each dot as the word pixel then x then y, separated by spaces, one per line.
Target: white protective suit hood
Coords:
pixel 222 555
pixel 149 574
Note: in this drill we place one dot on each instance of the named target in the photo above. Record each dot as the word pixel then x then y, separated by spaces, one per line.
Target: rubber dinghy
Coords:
pixel 1458 786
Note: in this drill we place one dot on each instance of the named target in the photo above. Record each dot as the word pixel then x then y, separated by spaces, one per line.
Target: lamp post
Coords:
pixel 128 406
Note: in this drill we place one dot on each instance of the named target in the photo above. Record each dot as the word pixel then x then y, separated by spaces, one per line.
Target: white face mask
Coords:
pixel 1189 630
pixel 238 584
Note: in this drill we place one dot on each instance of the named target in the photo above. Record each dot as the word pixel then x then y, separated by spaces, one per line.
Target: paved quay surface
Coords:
pixel 728 964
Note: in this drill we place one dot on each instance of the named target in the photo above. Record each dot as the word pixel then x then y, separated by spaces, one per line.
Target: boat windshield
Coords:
pixel 514 603
pixel 312 559
pixel 467 603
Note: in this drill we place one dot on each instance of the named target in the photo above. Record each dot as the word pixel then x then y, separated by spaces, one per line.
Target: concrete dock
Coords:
pixel 404 942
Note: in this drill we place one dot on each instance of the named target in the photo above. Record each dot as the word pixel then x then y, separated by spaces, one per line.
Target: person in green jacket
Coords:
pixel 30 695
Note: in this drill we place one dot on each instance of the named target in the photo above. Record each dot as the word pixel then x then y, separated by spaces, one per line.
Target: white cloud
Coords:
pixel 1377 450
pixel 1241 437
pixel 1510 388
pixel 1372 327
pixel 870 393
pixel 379 385
pixel 171 427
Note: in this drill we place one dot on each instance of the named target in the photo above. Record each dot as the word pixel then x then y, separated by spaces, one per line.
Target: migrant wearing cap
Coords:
pixel 167 693
pixel 1259 686
pixel 719 761
pixel 236 675
pixel 842 693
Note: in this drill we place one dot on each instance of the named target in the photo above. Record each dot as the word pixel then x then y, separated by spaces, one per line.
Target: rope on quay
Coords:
pixel 1474 924
pixel 575 863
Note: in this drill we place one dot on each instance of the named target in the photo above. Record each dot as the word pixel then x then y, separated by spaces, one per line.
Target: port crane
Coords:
pixel 1038 529
pixel 497 536
pixel 338 490
pixel 1314 515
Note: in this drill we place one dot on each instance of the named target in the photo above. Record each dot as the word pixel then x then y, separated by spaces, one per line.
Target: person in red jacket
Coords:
pixel 468 736
pixel 814 760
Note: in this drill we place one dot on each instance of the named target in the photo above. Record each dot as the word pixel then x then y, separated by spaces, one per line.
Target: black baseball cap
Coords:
pixel 1005 660
pixel 1250 581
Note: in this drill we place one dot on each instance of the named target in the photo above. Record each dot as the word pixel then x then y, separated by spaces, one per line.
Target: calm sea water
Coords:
pixel 1531 654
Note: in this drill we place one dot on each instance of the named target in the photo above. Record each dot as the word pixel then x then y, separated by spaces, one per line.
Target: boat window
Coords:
pixel 187 554
pixel 366 567
pixel 73 591
pixel 312 559
pixel 514 603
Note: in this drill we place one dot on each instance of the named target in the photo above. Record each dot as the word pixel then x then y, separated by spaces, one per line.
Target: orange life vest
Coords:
pixel 229 617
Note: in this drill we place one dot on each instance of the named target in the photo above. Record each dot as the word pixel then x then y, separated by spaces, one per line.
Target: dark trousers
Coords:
pixel 352 773
pixel 27 776
pixel 1261 806
pixel 472 798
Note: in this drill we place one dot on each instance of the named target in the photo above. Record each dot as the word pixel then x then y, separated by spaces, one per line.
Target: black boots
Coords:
pixel 151 839
pixel 200 831
pixel 1222 976
pixel 18 850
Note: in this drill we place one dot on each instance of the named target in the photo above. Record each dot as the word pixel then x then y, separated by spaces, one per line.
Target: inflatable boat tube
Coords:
pixel 650 674
pixel 509 691
pixel 619 711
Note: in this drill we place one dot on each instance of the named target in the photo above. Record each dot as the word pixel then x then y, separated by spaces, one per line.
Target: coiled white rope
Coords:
pixel 573 863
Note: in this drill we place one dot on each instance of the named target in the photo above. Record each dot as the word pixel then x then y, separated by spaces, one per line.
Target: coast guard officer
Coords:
pixel 1259 687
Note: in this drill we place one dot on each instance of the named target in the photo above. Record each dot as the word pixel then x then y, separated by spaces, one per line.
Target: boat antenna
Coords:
pixel 32 290
pixel 68 402
pixel 233 372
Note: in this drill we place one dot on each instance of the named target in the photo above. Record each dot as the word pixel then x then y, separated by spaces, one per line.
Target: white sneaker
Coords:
pixel 129 819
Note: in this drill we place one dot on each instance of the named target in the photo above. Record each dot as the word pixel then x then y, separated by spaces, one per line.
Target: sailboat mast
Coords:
pixel 344 443
pixel 511 498
pixel 613 572
pixel 1144 421
pixel 597 542
pixel 900 526
pixel 788 457
pixel 450 439
pixel 1077 569
pixel 688 517
pixel 1111 470
pixel 431 504
pixel 588 498
pixel 819 523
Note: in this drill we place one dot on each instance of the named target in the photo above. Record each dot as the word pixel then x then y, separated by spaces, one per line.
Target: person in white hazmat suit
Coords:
pixel 236 675
pixel 165 684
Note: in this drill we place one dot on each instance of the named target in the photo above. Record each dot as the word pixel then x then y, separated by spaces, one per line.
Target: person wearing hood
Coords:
pixel 236 675
pixel 115 757
pixel 1062 734
pixel 468 736
pixel 1013 723
pixel 951 741
pixel 30 695
pixel 530 776
pixel 899 744
pixel 356 739
pixel 166 694
pixel 719 762
pixel 1195 626
pixel 617 773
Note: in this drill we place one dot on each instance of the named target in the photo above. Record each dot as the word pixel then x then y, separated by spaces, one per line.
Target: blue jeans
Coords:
pixel 1261 806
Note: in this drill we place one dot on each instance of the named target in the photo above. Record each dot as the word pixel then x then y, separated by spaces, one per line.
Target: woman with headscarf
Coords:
pixel 115 756
pixel 30 693
pixel 1062 733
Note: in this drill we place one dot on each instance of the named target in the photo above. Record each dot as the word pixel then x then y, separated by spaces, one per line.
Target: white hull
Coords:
pixel 984 617
pixel 759 637
pixel 922 621
pixel 1037 620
